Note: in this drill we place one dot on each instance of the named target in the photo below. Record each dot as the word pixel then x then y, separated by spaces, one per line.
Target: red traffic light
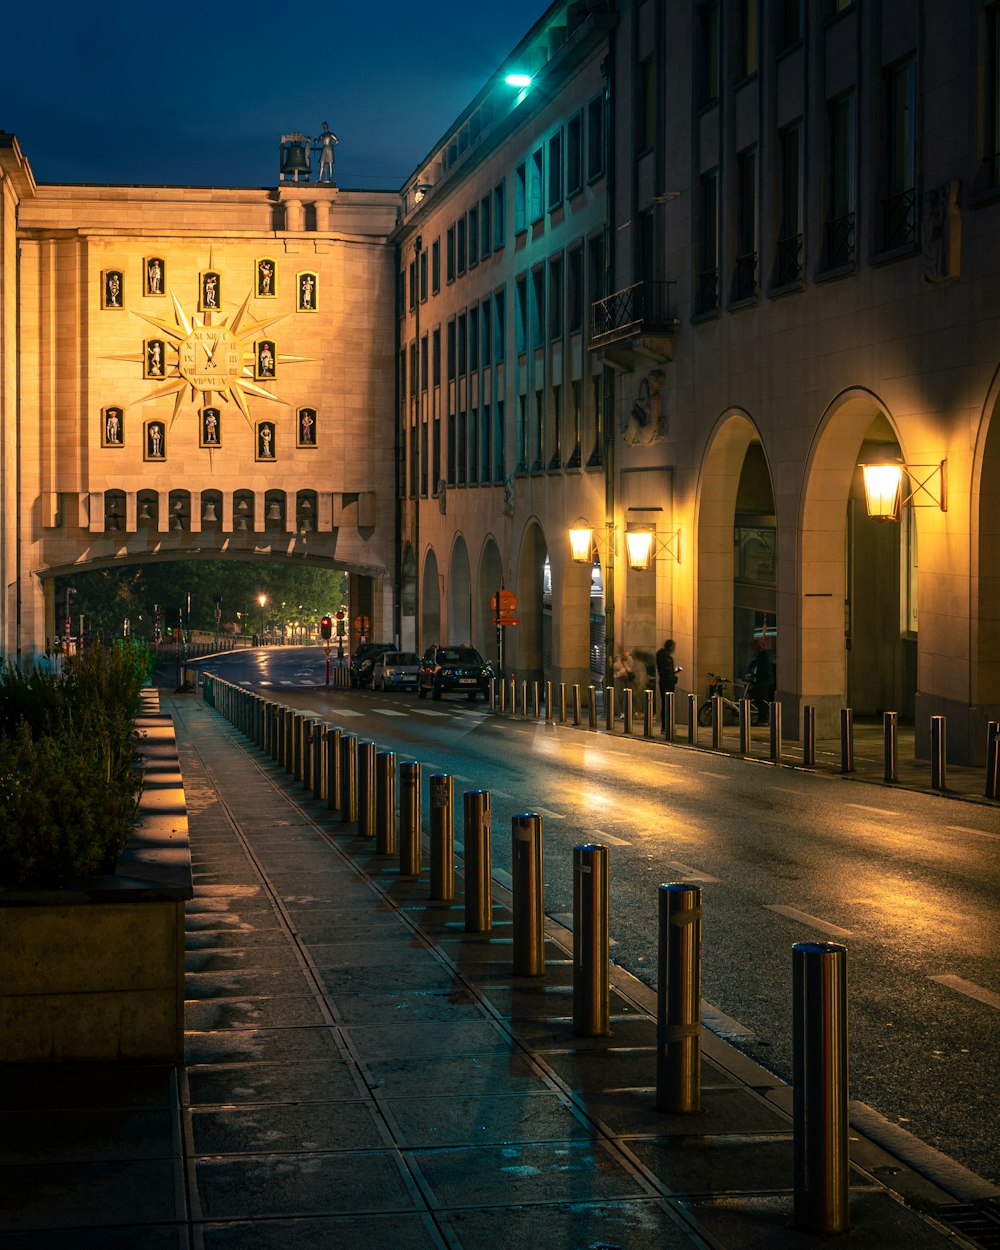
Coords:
pixel 326 627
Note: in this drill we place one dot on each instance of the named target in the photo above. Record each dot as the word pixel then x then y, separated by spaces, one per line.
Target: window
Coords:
pixel 436 356
pixel 452 353
pixel 463 345
pixel 473 237
pixel 707 295
pixel 991 117
pixel 499 214
pixel 789 23
pixel 485 227
pixel 576 432
pixel 486 323
pixel 899 209
pixel 574 310
pixel 473 339
pixel 435 266
pixel 452 432
pixel 574 154
pixel 555 171
pixel 423 362
pixel 473 444
pixel 597 272
pixel 537 311
pixel 423 459
pixel 788 265
pixel 708 52
pixel 745 277
pixel 460 245
pixel 538 433
pixel 521 464
pixel 841 184
pixel 401 292
pixel 555 298
pixel 413 369
pixel 486 443
pixel 521 314
pixel 520 198
pixel 748 45
pixel 833 8
pixel 449 254
pixel 597 455
pixel 645 105
pixel 499 326
pixel 537 188
pixel 413 285
pixel 423 277
pixel 595 138
pixel 555 428
pixel 499 441
pixel 462 447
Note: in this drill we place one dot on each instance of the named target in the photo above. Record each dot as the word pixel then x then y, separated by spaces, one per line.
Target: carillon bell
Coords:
pixel 208 512
pixel 274 511
pixel 294 159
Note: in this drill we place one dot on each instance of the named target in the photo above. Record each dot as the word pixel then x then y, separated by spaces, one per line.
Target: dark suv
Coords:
pixel 363 662
pixel 453 670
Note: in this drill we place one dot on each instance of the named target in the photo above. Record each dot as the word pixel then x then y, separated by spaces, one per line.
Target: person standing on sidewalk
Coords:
pixel 623 672
pixel 666 674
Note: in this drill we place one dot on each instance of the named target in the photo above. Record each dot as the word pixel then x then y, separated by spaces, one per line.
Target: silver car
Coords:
pixel 396 670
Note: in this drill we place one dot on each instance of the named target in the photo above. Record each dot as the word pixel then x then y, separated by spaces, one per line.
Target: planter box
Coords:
pixel 95 970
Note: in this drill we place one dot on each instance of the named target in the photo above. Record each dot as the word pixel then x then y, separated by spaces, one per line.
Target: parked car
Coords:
pixel 396 670
pixel 448 670
pixel 363 662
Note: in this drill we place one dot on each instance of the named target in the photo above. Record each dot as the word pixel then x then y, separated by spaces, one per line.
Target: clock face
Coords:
pixel 210 358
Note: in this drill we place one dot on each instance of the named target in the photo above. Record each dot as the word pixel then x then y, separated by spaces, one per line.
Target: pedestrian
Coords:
pixel 623 672
pixel 761 675
pixel 666 673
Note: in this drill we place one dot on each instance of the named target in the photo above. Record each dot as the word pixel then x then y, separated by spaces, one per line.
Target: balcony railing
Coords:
pixel 708 291
pixel 899 219
pixel 788 261
pixel 840 241
pixel 745 278
pixel 643 308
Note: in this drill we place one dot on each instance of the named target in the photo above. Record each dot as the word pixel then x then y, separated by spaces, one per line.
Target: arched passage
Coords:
pixel 408 600
pixel 490 581
pixel 534 634
pixel 430 602
pixel 459 593
pixel 737 548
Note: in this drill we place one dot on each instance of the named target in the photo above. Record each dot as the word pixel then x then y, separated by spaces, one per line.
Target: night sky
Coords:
pixel 200 93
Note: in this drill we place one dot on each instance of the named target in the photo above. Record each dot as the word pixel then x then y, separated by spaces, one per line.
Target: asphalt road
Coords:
pixel 909 882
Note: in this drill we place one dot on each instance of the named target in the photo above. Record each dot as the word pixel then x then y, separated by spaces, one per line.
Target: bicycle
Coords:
pixel 730 706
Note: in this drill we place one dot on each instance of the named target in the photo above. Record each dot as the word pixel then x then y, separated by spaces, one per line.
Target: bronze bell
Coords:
pixel 294 160
pixel 145 511
pixel 274 511
pixel 208 512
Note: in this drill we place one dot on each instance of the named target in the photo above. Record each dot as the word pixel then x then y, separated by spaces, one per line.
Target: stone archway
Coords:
pixel 533 642
pixel 490 581
pixel 459 593
pixel 430 602
pixel 408 601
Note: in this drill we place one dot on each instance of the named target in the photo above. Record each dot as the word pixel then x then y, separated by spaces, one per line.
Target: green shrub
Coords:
pixel 69 785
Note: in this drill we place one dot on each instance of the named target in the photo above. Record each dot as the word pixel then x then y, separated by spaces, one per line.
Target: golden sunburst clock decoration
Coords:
pixel 215 355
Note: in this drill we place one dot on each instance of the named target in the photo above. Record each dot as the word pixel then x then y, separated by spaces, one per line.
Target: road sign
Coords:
pixel 504 620
pixel 504 601
pixel 362 624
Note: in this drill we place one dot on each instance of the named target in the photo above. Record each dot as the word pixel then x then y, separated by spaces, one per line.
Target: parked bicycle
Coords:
pixel 730 705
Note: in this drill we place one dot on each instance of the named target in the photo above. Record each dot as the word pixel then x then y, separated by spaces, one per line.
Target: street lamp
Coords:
pixel 641 543
pixel 262 599
pixel 884 496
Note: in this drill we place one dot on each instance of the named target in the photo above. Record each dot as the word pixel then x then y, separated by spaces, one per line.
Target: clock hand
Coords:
pixel 209 355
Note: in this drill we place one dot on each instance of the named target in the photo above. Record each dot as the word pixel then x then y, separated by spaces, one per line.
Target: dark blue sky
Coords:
pixel 200 93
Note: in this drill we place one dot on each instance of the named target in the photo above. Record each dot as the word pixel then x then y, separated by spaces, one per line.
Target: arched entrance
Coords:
pixel 430 603
pixel 534 634
pixel 459 593
pixel 408 601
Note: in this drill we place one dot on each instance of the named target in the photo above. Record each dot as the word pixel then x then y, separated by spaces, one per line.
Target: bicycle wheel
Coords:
pixel 705 713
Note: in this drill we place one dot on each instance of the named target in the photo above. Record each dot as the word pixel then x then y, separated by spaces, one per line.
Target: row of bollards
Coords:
pixel 360 782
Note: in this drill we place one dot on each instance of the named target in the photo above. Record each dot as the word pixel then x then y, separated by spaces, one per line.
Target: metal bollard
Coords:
pixel 717 721
pixel 409 819
pixel 348 779
pixel 627 710
pixel 591 946
pixel 385 803
pixel 647 713
pixel 939 754
pixel 502 690
pixel 318 764
pixel 536 695
pixel 592 707
pixel 609 709
pixel 493 694
pixel 442 837
pixel 993 760
pixel 291 728
pixel 548 700
pixel 333 769
pixel 668 716
pixel 577 707
pixel 847 740
pixel 774 730
pixel 746 745
pixel 562 703
pixel 527 894
pixel 524 696
pixel 366 789
pixel 478 861
pixel 819 1081
pixel 280 736
pixel 692 719
pixel 678 1000
pixel 889 742
pixel 305 767
pixel 809 736
pixel 513 696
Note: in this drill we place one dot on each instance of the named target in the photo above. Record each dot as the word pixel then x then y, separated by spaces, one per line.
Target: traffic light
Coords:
pixel 326 628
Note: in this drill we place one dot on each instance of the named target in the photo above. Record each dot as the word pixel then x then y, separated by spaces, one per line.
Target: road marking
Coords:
pixel 969 988
pixel 878 811
pixel 601 836
pixel 544 811
pixel 703 772
pixel 691 874
pixel 426 711
pixel 337 712
pixel 980 833
pixel 387 711
pixel 814 922
pixel 721 1024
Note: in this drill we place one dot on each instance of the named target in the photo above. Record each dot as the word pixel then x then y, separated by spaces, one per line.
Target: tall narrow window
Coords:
pixel 460 252
pixel 991 118
pixel 520 198
pixel 574 154
pixel 899 211
pixel 555 298
pixel 485 227
pixel 435 266
pixel 436 358
pixel 451 352
pixel 473 442
pixel 708 52
pixel 576 428
pixel 748 50
pixel 521 464
pixel 841 189
pixel 463 345
pixel 486 323
pixel 537 310
pixel 499 214
pixel 486 443
pixel 597 455
pixel 789 23
pixel 645 105
pixel 574 300
pixel 555 195
pixel 521 315
pixel 423 277
pixel 745 278
pixel 413 285
pixel 595 138
pixel 473 338
pixel 449 251
pixel 499 441
pixel 537 187
pixel 788 265
pixel 708 243
pixel 473 237
pixel 538 433
pixel 499 326
pixel 555 428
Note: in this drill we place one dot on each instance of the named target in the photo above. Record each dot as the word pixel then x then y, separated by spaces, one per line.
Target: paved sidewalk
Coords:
pixel 362 1073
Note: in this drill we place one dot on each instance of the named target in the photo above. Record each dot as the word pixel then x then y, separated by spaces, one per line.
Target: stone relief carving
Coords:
pixel 508 495
pixel 647 422
pixel 941 233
